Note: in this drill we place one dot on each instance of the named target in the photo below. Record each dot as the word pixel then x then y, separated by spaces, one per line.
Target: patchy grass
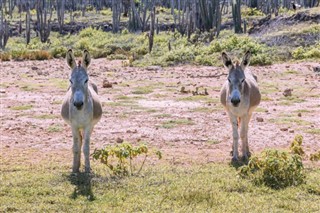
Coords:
pixel 266 98
pixel 121 103
pixel 290 120
pixel 268 87
pixel 163 116
pixel 213 141
pixel 290 100
pixel 260 109
pixel 54 128
pixel 29 87
pixel 203 98
pixel 314 131
pixel 56 102
pixel 142 90
pixel 49 187
pixel 46 116
pixel 62 84
pixel 174 123
pixel 22 107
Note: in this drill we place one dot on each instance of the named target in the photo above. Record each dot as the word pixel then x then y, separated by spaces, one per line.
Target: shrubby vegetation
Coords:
pixel 307 52
pixel 126 45
pixel 274 168
pixel 119 158
pixel 277 169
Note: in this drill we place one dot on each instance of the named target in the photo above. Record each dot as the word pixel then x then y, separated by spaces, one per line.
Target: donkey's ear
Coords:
pixel 226 60
pixel 246 60
pixel 70 59
pixel 86 59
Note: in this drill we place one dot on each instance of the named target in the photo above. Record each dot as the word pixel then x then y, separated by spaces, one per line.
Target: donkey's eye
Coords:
pixel 229 80
pixel 86 81
pixel 71 81
pixel 243 80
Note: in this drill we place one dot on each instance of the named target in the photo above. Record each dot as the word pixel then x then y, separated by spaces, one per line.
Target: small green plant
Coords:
pixel 275 169
pixel 296 145
pixel 124 154
pixel 315 156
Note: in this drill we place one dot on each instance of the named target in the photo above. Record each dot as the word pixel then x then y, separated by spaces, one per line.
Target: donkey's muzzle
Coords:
pixel 235 101
pixel 78 104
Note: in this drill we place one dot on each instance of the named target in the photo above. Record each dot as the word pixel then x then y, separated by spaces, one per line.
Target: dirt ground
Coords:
pixel 146 105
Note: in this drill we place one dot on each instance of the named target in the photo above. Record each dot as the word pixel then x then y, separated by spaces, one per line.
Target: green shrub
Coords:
pixel 261 59
pixel 315 156
pixel 275 169
pixel 5 56
pixel 39 55
pixel 123 154
pixel 296 145
pixel 307 53
pixel 248 11
pixel 59 52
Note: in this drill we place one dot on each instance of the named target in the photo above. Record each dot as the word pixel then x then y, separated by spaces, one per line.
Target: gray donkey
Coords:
pixel 81 108
pixel 240 95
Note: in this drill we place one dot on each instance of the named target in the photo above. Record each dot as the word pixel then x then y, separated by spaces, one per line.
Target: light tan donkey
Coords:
pixel 81 108
pixel 240 95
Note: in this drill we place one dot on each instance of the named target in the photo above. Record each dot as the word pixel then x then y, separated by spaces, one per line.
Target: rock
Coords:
pixel 106 84
pixel 34 68
pixel 287 92
pixel 2 91
pixel 299 114
pixel 284 129
pixel 259 119
pixel 119 140
pixel 291 131
pixel 316 69
pixel 154 68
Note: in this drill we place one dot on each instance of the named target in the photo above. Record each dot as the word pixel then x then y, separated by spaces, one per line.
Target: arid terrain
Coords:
pixel 147 105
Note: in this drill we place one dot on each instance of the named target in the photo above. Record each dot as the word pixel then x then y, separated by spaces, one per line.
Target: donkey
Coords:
pixel 81 108
pixel 239 95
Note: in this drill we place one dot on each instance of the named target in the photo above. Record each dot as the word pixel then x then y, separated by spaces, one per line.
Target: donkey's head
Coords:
pixel 236 77
pixel 79 78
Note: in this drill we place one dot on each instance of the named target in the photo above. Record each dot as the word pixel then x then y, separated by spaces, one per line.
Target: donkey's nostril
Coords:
pixel 78 104
pixel 235 101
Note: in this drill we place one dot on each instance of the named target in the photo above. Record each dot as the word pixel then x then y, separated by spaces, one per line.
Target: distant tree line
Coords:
pixel 189 16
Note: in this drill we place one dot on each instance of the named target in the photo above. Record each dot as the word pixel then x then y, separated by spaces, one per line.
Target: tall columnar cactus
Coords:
pixel 43 23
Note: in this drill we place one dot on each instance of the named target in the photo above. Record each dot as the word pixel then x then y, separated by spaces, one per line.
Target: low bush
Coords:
pixel 307 53
pixel 274 168
pixel 119 158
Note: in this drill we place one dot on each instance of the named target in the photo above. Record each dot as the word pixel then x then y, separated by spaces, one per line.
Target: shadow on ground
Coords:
pixel 83 186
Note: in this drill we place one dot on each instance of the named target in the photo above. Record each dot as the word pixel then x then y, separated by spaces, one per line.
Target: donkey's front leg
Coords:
pixel 86 148
pixel 244 137
pixel 235 135
pixel 77 142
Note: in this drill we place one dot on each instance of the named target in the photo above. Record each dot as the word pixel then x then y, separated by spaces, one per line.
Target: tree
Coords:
pixel 236 14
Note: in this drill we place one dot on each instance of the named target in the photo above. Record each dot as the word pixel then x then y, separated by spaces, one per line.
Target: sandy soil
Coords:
pixel 39 132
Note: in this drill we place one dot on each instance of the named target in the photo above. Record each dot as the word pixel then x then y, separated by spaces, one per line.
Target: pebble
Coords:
pixel 259 119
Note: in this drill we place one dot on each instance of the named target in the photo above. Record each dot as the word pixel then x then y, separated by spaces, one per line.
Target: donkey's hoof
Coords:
pixel 245 158
pixel 75 171
pixel 234 159
pixel 231 153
